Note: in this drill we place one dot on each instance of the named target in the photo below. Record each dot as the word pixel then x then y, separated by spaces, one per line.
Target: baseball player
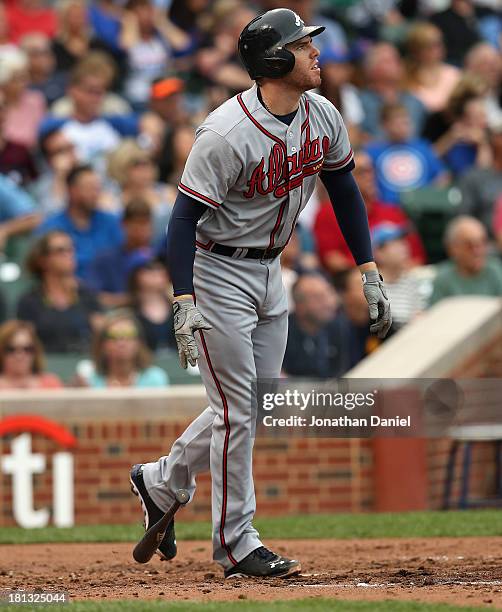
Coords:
pixel 252 169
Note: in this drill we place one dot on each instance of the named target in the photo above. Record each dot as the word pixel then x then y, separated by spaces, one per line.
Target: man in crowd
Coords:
pixel 316 344
pixel 93 133
pixel 392 254
pixel 354 319
pixel 110 270
pixel 91 230
pixel 469 270
pixel 383 76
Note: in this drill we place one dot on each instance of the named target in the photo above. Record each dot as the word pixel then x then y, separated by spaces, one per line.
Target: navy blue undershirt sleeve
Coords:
pixel 181 242
pixel 350 212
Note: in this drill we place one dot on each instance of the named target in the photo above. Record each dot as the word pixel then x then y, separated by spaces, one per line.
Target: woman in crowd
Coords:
pixel 136 176
pixel 485 61
pixel 74 38
pixel 459 133
pixel 22 359
pixel 428 77
pixel 62 310
pixel 24 108
pixel 121 357
pixel 152 306
pixel 96 64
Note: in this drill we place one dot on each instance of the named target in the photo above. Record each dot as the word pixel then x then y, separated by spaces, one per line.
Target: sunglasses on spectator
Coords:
pixel 28 349
pixel 123 334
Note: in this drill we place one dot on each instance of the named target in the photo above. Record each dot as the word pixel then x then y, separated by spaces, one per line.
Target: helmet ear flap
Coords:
pixel 279 61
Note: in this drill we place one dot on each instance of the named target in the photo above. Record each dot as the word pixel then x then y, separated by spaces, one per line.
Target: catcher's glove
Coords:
pixel 187 320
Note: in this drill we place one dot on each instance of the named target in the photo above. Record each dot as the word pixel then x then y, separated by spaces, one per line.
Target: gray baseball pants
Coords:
pixel 245 303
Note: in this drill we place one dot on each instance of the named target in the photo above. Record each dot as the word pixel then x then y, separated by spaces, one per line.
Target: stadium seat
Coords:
pixel 430 209
pixel 13 283
pixel 464 439
pixel 65 364
pixel 17 248
pixel 169 361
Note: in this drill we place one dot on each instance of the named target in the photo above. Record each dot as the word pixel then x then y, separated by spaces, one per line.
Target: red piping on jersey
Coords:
pixel 307 118
pixel 225 451
pixel 340 163
pixel 277 224
pixel 284 171
pixel 260 126
pixel 206 246
pixel 296 216
pixel 197 194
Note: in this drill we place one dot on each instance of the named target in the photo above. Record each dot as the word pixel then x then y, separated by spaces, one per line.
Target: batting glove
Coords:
pixel 187 320
pixel 378 302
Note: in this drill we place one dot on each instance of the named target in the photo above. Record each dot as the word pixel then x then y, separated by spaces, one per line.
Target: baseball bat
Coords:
pixel 146 547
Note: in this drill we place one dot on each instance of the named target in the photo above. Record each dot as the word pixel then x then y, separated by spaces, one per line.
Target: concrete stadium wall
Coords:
pixel 117 428
pixel 458 338
pixel 105 432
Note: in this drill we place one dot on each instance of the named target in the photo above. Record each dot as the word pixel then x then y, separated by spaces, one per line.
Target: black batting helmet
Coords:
pixel 262 43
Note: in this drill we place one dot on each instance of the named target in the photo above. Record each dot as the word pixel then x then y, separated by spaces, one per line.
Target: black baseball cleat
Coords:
pixel 263 562
pixel 167 548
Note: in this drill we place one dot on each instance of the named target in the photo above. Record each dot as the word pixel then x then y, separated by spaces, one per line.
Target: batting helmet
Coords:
pixel 262 43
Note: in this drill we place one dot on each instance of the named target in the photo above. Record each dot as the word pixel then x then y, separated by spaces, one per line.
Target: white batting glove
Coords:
pixel 187 320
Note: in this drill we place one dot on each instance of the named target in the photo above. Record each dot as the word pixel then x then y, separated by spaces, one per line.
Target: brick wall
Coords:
pixel 485 362
pixel 292 476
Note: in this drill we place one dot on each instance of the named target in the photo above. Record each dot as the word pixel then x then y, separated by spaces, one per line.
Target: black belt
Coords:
pixel 241 252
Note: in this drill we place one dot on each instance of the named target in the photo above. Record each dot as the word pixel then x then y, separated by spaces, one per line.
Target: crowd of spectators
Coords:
pixel 99 102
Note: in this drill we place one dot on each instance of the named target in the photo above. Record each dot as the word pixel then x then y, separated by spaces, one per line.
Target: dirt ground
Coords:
pixel 461 571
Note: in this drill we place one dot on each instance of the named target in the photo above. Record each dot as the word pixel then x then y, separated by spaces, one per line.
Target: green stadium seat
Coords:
pixel 17 248
pixel 65 364
pixel 169 361
pixel 430 209
pixel 14 280
pixel 13 283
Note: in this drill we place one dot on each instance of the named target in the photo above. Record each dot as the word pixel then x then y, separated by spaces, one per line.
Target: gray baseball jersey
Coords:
pixel 257 173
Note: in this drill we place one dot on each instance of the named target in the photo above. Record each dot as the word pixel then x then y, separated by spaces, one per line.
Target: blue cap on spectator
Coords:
pixel 138 258
pixel 334 55
pixel 385 232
